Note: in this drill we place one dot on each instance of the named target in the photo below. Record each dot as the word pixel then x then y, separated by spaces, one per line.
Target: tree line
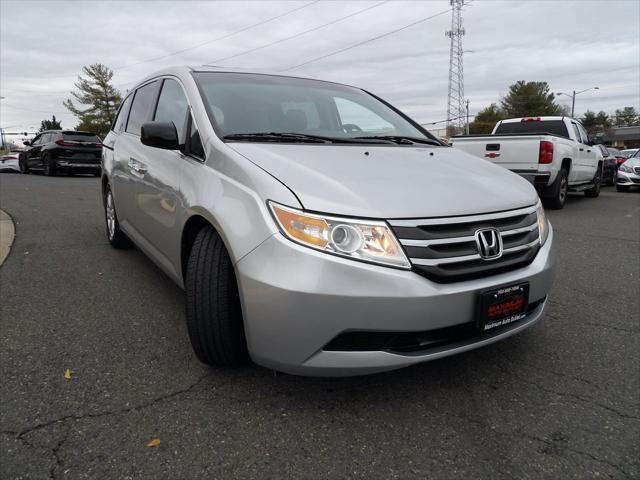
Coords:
pixel 534 99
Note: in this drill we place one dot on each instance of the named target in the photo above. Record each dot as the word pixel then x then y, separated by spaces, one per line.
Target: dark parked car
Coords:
pixel 609 165
pixel 54 151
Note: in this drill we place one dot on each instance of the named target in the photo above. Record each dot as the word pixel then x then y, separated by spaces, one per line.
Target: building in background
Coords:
pixel 620 137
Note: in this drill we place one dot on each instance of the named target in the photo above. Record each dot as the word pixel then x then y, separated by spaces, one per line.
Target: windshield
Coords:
pixel 243 104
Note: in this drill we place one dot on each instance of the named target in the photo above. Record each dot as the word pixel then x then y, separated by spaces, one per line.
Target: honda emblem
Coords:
pixel 489 243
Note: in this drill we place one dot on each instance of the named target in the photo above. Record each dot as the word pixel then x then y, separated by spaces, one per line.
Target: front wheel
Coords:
pixel 595 190
pixel 214 315
pixel 557 192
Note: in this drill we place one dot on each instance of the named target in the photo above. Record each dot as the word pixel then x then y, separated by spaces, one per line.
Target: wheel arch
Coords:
pixel 566 164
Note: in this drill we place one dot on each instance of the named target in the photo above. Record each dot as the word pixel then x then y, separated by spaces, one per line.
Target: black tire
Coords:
pixel 597 182
pixel 622 188
pixel 558 192
pixel 214 315
pixel 116 237
pixel 47 168
pixel 22 164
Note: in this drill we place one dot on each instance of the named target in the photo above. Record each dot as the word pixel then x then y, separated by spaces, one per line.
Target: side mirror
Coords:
pixel 160 135
pixel 27 143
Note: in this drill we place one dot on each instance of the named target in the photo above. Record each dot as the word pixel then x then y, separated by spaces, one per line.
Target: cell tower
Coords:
pixel 455 101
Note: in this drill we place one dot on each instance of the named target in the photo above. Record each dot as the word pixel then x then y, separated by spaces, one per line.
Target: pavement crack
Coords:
pixel 21 434
pixel 566 394
pixel 550 443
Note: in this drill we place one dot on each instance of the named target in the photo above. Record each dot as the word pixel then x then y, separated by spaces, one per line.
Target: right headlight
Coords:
pixel 543 224
pixel 626 168
pixel 365 240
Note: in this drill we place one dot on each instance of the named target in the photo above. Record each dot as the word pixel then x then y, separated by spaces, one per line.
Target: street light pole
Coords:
pixel 467 116
pixel 573 97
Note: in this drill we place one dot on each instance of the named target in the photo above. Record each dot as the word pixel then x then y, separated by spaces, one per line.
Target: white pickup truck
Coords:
pixel 553 153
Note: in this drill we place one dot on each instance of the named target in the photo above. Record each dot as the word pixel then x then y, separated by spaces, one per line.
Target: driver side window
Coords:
pixel 357 118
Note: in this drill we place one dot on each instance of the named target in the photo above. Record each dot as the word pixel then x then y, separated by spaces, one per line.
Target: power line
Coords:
pixel 37 111
pixel 298 34
pixel 223 37
pixel 377 37
pixel 208 42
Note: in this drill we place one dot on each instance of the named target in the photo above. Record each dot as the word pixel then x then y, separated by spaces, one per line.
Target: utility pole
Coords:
pixel 455 99
pixel 573 97
pixel 467 116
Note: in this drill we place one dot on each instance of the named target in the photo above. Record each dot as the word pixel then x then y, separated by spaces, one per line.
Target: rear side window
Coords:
pixel 80 137
pixel 123 113
pixel 173 107
pixel 141 107
pixel 554 127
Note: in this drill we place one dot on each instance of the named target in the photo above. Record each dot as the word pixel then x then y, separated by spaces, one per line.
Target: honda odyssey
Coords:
pixel 315 228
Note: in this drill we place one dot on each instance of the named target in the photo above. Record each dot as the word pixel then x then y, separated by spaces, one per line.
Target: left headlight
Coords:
pixel 543 224
pixel 366 240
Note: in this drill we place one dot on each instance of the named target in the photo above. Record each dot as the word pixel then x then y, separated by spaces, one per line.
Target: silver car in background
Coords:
pixel 315 228
pixel 629 173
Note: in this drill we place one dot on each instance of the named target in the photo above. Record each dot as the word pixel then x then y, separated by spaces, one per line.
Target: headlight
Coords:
pixel 625 168
pixel 543 224
pixel 369 241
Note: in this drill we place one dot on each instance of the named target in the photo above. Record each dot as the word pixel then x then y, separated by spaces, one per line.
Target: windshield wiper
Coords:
pixel 276 137
pixel 401 139
pixel 297 137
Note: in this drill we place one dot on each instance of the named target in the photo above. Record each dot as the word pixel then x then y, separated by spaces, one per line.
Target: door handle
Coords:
pixel 582 149
pixel 588 151
pixel 136 166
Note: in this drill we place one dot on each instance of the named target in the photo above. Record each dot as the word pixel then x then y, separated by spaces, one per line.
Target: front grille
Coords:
pixel 407 342
pixel 637 170
pixel 444 249
pixel 635 180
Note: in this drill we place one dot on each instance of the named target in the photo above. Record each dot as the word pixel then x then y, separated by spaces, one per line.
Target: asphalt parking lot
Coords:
pixel 560 400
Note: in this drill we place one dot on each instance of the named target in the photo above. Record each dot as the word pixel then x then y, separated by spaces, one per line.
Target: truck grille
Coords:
pixel 445 249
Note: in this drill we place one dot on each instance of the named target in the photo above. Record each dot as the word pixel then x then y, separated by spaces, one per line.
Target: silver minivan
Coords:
pixel 315 228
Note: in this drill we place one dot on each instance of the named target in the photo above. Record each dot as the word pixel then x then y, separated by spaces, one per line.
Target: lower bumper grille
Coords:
pixel 447 250
pixel 407 342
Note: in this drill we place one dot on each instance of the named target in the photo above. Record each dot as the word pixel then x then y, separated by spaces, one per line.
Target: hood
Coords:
pixel 390 182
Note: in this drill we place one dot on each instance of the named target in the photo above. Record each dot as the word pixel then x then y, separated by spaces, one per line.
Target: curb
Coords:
pixel 7 234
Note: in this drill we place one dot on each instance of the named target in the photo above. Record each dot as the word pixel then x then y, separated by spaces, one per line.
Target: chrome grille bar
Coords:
pixel 466 219
pixel 466 258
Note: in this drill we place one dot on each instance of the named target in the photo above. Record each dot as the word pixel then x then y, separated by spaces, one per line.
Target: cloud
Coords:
pixel 571 45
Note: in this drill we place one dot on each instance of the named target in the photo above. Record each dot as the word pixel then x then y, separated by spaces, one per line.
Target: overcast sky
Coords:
pixel 570 44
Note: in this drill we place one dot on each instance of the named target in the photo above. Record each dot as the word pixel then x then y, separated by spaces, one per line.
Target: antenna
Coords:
pixel 455 101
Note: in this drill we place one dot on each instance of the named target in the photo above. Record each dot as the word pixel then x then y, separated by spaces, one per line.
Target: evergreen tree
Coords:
pixel 99 98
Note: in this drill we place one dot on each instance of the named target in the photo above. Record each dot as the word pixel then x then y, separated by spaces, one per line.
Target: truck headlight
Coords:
pixel 365 240
pixel 543 224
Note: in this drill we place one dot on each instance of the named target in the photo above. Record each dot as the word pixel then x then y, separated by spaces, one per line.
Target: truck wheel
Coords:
pixel 116 237
pixel 214 315
pixel 557 192
pixel 622 188
pixel 597 181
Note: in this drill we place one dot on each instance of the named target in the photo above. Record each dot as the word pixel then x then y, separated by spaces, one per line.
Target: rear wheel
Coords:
pixel 22 164
pixel 116 237
pixel 557 192
pixel 47 167
pixel 214 315
pixel 597 181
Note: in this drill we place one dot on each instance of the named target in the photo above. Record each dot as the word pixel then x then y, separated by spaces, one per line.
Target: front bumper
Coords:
pixel 296 300
pixel 626 178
